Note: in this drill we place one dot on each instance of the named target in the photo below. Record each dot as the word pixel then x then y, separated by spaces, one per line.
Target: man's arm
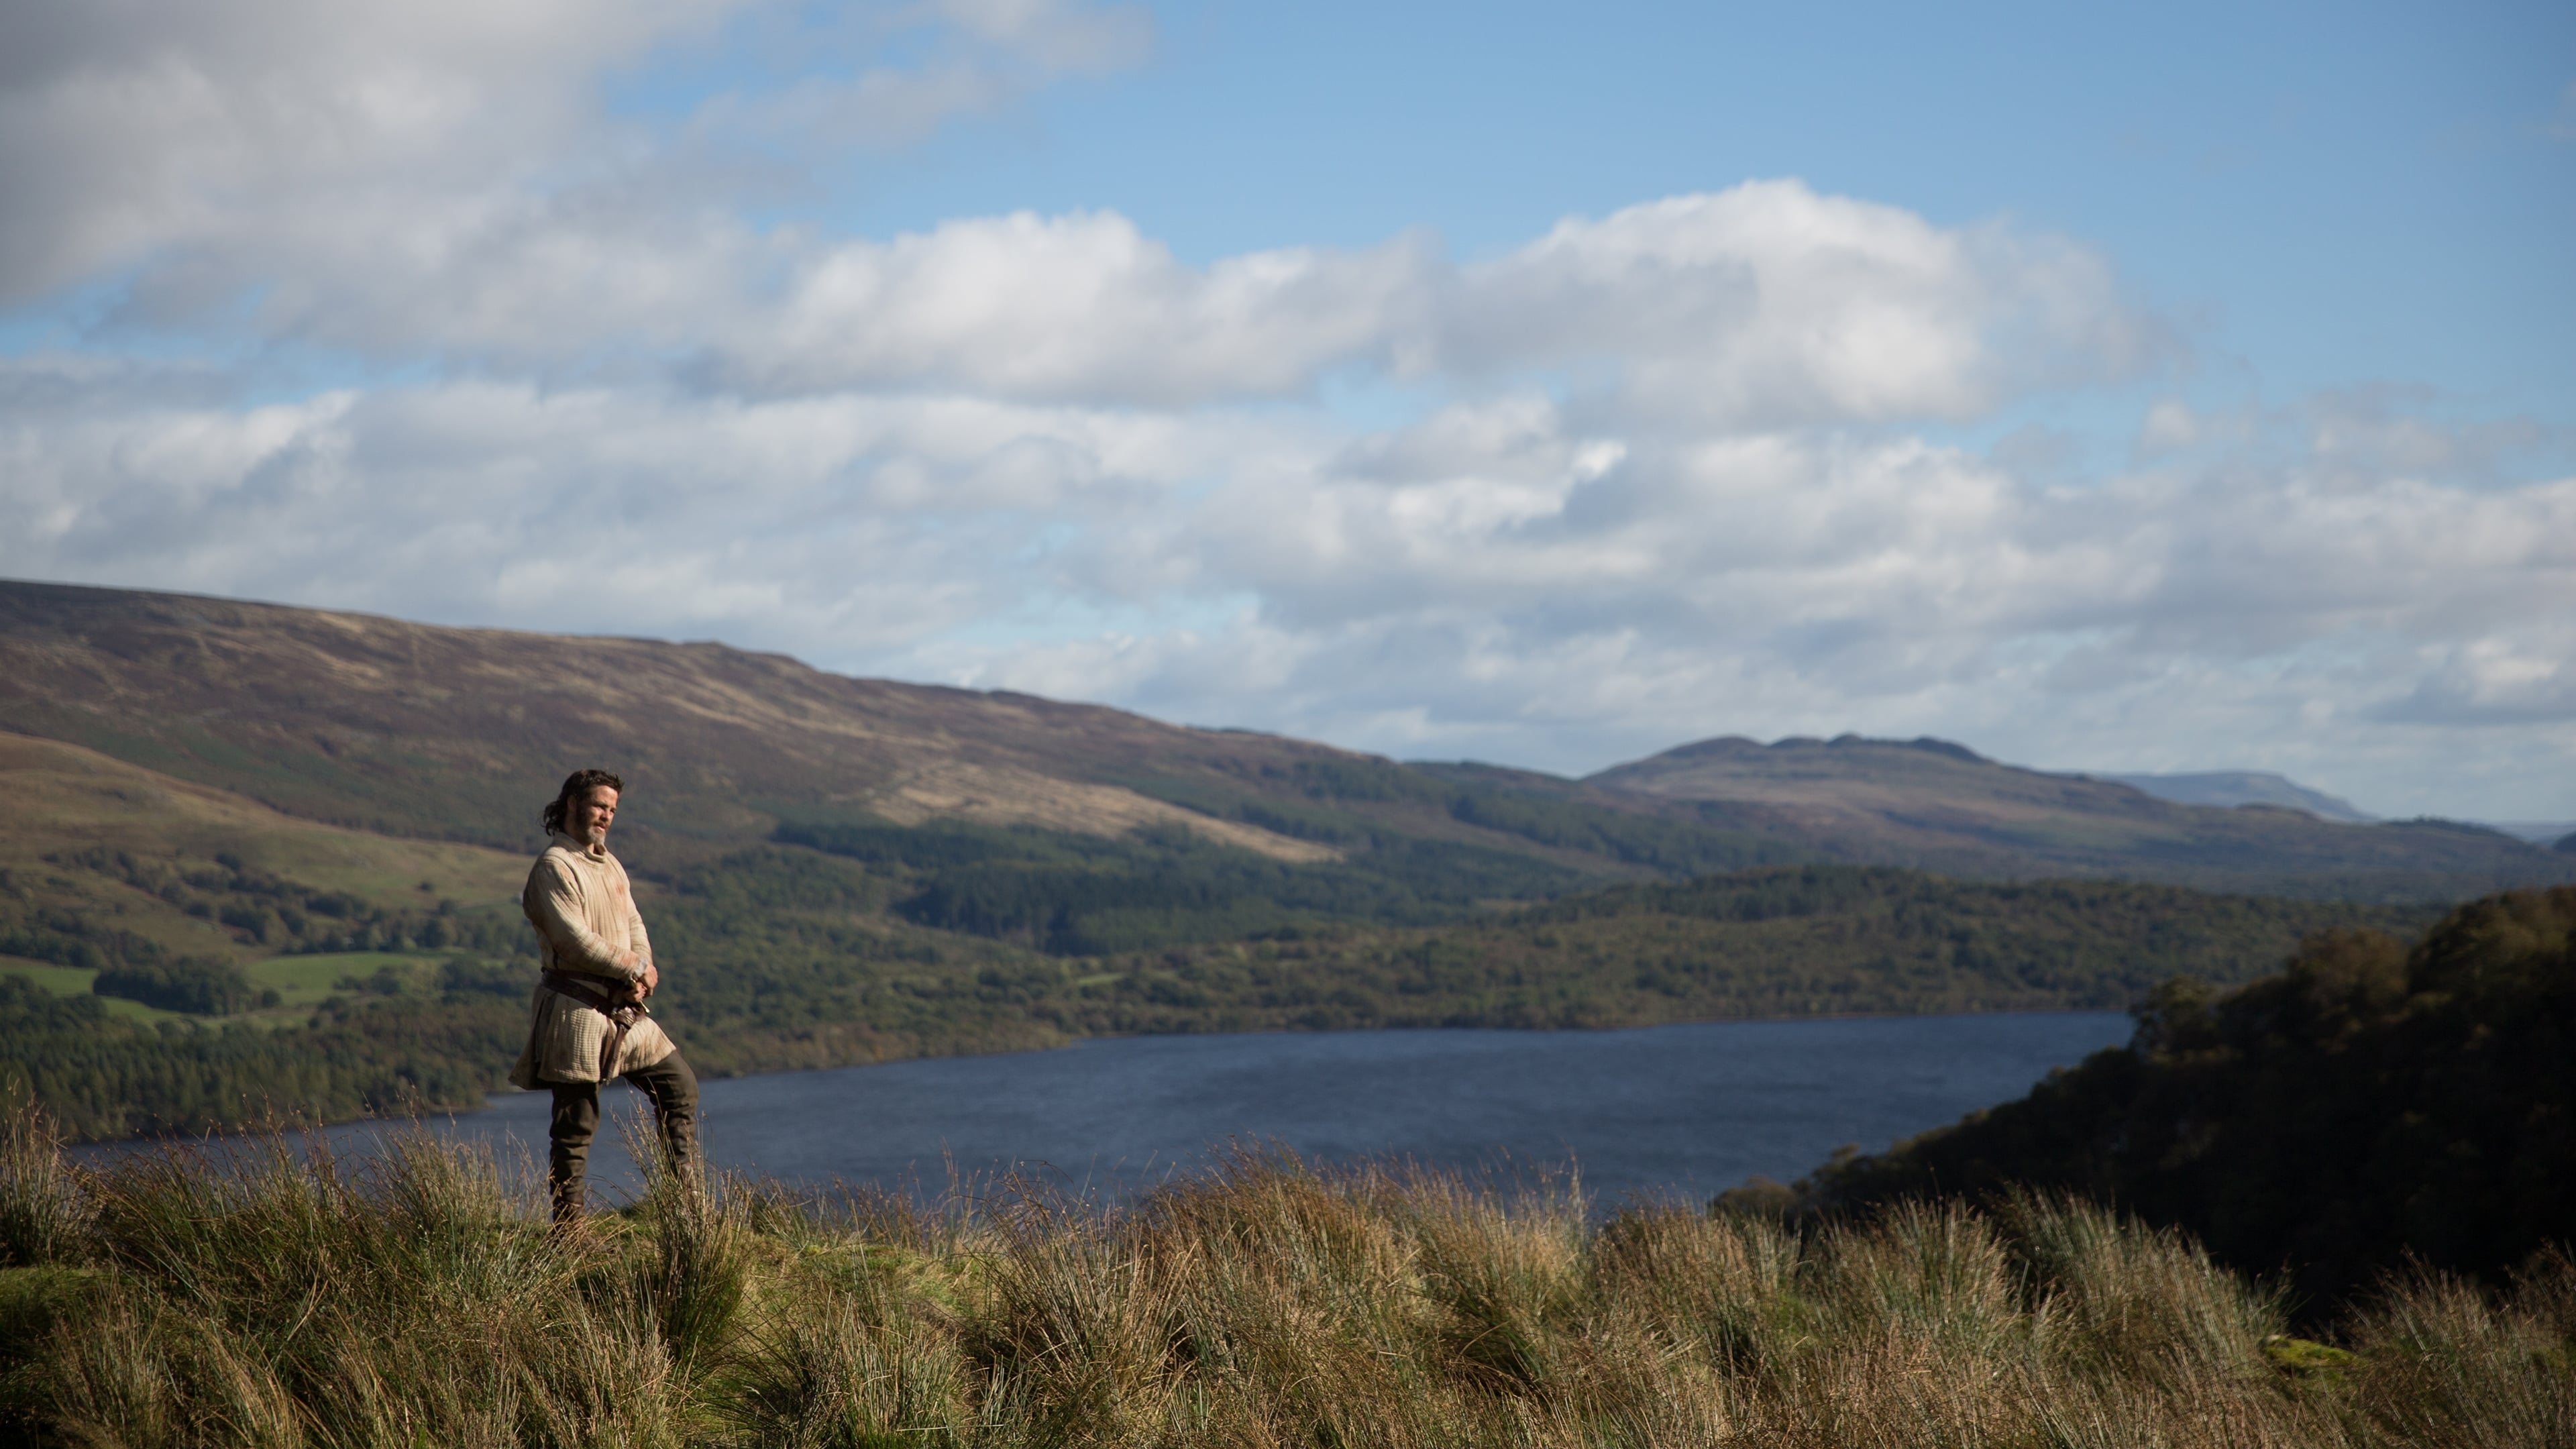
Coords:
pixel 646 976
pixel 554 904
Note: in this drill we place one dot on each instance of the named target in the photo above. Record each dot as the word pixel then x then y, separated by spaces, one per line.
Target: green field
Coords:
pixel 303 981
pixel 74 981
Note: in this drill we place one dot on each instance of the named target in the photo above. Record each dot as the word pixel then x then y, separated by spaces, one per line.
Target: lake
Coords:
pixel 1677 1110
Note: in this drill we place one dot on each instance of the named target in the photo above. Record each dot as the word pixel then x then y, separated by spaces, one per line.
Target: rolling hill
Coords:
pixel 430 733
pixel 1939 806
pixel 2245 787
pixel 257 857
pixel 459 734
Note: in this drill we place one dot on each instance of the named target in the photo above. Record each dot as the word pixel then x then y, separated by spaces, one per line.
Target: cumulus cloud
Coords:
pixel 1494 580
pixel 411 176
pixel 872 522
pixel 1763 304
pixel 1769 302
pixel 1074 307
pixel 128 128
pixel 403 181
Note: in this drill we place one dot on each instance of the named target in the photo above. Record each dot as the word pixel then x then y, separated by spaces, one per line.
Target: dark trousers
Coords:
pixel 673 1089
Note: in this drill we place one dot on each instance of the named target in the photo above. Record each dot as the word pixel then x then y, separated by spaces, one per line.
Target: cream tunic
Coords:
pixel 584 911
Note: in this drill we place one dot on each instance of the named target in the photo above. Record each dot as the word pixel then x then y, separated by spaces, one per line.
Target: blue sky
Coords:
pixel 2183 388
pixel 2344 191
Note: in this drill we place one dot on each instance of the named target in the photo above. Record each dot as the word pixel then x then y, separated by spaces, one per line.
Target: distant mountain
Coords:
pixel 1936 805
pixel 2558 834
pixel 421 732
pixel 2243 787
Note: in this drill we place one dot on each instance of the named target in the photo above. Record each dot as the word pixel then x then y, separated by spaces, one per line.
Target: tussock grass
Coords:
pixel 274 1297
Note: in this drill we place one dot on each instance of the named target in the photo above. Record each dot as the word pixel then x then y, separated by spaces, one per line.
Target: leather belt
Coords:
pixel 621 1015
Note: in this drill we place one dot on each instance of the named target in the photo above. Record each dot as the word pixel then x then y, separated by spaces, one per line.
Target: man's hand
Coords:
pixel 642 986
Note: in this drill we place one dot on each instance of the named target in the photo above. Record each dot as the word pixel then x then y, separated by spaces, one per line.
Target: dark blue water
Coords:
pixel 1681 1110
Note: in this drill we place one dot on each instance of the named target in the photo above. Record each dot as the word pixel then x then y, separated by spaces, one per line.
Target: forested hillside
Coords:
pixel 781 958
pixel 2374 1103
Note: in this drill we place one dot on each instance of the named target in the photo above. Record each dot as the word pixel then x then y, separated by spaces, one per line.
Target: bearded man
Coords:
pixel 587 1022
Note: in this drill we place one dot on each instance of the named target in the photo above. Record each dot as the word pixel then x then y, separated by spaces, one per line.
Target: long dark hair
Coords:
pixel 576 785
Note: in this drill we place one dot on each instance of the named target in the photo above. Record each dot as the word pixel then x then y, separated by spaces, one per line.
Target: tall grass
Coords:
pixel 270 1296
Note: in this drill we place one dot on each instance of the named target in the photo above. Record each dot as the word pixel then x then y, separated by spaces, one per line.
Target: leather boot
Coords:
pixel 566 1209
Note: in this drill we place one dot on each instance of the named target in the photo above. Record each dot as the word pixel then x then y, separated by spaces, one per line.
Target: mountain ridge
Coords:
pixel 1934 804
pixel 2244 787
pixel 433 732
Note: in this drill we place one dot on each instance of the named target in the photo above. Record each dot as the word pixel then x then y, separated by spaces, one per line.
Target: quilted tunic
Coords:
pixel 580 902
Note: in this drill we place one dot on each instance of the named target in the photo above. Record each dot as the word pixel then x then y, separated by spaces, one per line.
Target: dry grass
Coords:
pixel 271 1298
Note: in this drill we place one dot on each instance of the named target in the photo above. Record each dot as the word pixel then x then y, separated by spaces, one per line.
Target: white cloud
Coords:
pixel 1769 303
pixel 1492 581
pixel 1760 305
pixel 409 176
pixel 1077 307
pixel 127 128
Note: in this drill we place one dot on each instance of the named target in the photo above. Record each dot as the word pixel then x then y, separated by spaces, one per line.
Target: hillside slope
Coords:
pixel 1936 805
pixel 410 729
pixel 455 734
pixel 2372 1103
pixel 459 734
pixel 2245 787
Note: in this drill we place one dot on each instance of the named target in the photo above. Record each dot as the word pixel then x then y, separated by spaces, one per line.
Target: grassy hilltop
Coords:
pixel 415 1300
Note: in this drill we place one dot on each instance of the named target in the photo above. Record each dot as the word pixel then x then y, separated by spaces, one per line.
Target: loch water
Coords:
pixel 1669 1111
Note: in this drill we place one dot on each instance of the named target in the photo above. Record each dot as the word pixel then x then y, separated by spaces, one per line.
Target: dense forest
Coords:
pixel 2373 1104
pixel 100 1076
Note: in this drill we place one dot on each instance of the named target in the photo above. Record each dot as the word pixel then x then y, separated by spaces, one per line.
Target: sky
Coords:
pixel 2158 389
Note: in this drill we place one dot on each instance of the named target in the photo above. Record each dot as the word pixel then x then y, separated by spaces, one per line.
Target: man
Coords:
pixel 586 1022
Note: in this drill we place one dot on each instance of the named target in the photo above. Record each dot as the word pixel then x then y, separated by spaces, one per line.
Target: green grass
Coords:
pixel 75 981
pixel 278 1299
pixel 60 980
pixel 303 981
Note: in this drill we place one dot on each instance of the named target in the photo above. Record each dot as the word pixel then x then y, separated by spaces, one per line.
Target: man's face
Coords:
pixel 591 814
